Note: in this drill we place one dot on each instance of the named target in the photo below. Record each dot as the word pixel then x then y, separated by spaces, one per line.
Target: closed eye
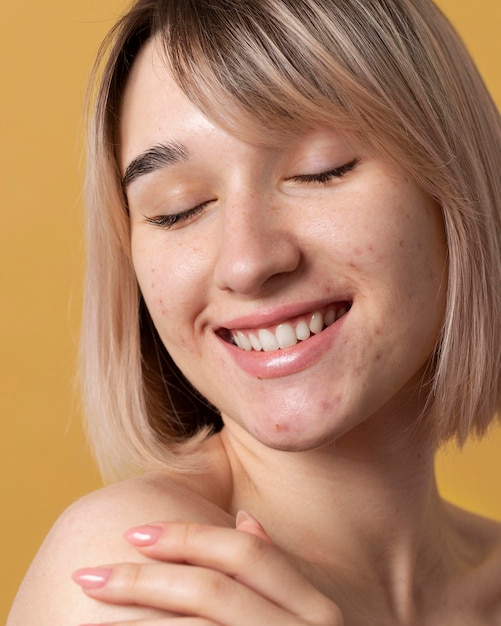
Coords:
pixel 170 220
pixel 326 177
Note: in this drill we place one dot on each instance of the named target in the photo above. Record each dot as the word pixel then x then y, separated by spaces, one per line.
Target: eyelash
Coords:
pixel 326 177
pixel 168 221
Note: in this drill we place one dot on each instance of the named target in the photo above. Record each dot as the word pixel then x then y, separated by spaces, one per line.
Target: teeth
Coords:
pixel 302 330
pixel 255 343
pixel 317 323
pixel 268 340
pixel 342 311
pixel 243 342
pixel 330 317
pixel 286 335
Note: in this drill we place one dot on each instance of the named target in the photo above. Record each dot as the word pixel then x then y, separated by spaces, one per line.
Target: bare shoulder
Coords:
pixel 480 584
pixel 90 533
pixel 481 533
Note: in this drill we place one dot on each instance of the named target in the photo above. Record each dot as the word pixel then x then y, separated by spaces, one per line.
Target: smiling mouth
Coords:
pixel 285 334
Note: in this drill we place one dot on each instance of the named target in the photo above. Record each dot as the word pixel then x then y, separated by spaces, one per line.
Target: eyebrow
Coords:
pixel 155 158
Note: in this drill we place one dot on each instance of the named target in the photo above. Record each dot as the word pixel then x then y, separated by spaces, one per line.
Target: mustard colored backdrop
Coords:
pixel 46 50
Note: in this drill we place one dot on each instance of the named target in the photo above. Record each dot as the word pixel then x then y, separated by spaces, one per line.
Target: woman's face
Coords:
pixel 315 245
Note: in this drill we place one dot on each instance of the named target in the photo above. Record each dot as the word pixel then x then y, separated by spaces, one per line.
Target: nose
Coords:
pixel 258 245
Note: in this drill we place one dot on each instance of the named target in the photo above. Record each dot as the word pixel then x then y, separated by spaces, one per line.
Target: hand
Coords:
pixel 211 576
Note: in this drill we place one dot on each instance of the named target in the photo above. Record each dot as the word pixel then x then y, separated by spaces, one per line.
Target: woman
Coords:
pixel 293 300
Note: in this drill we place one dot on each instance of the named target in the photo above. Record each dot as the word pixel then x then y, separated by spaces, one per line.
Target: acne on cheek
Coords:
pixel 359 256
pixel 328 406
pixel 162 308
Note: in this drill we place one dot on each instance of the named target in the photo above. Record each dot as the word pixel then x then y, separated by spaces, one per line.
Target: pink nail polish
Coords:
pixel 92 578
pixel 143 536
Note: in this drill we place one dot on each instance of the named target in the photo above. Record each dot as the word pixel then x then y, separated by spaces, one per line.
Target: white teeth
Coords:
pixel 317 323
pixel 255 343
pixel 330 317
pixel 302 330
pixel 286 336
pixel 342 311
pixel 243 342
pixel 268 340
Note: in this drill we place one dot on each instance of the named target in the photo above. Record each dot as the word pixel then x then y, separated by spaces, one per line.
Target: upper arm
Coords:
pixel 89 534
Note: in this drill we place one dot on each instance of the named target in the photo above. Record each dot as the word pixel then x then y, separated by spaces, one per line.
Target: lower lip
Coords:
pixel 288 361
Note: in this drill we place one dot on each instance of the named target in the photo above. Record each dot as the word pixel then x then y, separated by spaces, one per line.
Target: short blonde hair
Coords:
pixel 394 73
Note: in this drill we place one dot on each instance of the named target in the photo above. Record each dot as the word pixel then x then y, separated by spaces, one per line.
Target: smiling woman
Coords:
pixel 287 233
pixel 287 219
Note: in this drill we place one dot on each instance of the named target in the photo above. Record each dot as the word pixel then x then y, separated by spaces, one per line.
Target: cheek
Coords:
pixel 409 247
pixel 171 279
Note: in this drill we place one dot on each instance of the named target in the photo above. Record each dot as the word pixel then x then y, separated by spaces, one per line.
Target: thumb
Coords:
pixel 247 523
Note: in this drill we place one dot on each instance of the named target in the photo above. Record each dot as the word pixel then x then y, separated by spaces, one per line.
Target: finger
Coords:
pixel 249 524
pixel 187 590
pixel 243 556
pixel 181 621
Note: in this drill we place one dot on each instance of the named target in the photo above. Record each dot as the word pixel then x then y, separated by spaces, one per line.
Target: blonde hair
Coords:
pixel 394 73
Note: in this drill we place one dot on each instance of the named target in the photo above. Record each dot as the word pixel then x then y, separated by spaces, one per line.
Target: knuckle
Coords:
pixel 212 587
pixel 217 585
pixel 190 534
pixel 132 578
pixel 253 550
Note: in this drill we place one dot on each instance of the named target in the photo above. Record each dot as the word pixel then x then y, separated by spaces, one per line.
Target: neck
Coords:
pixel 361 516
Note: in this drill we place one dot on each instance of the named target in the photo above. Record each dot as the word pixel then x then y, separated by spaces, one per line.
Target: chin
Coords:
pixel 290 437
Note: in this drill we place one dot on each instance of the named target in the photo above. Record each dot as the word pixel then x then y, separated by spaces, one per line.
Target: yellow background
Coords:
pixel 46 50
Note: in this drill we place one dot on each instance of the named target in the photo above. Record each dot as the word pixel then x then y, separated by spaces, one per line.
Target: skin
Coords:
pixel 347 526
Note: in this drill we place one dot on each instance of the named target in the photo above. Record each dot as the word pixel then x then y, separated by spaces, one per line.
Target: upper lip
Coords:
pixel 278 314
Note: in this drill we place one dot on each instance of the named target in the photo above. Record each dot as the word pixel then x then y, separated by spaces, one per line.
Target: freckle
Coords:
pixel 378 356
pixel 401 243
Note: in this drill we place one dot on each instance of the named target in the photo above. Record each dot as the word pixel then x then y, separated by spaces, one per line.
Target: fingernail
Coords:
pixel 92 578
pixel 244 516
pixel 144 535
